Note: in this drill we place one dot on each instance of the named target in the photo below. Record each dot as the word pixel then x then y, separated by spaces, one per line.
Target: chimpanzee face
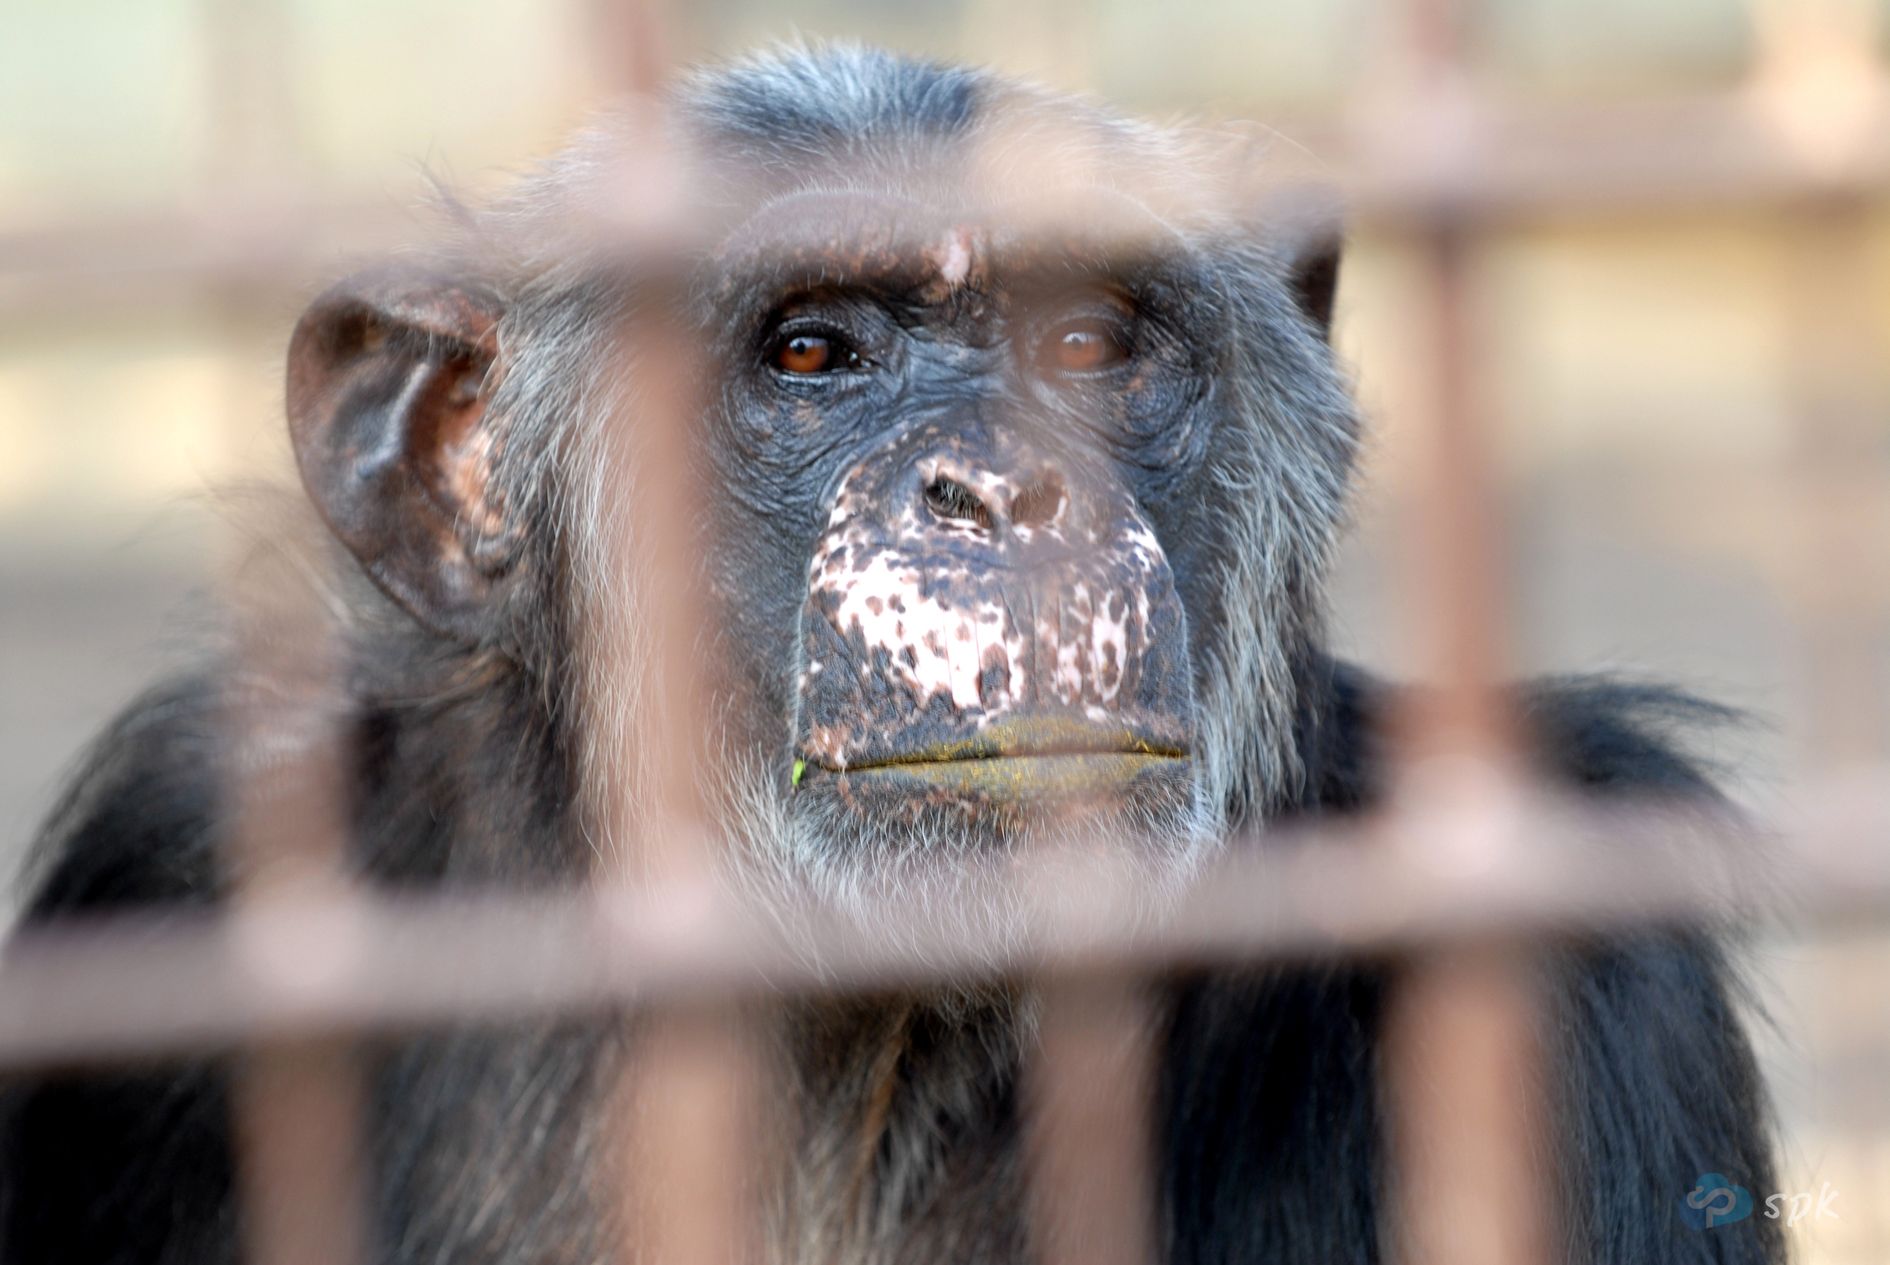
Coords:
pixel 962 446
pixel 1012 505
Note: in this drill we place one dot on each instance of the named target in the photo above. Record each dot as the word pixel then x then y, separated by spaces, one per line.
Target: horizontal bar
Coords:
pixel 1486 159
pixel 1493 161
pixel 275 245
pixel 135 986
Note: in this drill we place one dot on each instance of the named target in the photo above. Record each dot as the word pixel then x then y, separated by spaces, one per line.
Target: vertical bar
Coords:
pixel 1460 1053
pixel 1459 1087
pixel 296 1106
pixel 682 1119
pixel 1460 1058
pixel 686 1092
pixel 687 1130
pixel 1454 564
pixel 1090 1089
pixel 1088 1079
pixel 1839 495
pixel 630 46
pixel 251 82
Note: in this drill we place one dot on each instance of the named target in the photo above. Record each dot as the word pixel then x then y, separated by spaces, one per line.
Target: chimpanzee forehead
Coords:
pixel 896 242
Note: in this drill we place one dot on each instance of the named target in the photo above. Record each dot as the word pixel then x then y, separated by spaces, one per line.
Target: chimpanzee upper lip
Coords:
pixel 1023 737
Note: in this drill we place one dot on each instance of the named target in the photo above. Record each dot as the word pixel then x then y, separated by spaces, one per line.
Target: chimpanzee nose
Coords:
pixel 991 503
pixel 989 600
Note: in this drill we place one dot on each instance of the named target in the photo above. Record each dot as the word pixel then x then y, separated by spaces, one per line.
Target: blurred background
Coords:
pixel 1686 398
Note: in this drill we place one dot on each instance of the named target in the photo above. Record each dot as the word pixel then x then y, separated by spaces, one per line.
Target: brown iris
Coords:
pixel 805 353
pixel 1083 347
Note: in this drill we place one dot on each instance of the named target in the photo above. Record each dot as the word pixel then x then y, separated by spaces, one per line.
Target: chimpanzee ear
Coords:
pixel 387 409
pixel 1303 224
pixel 1314 280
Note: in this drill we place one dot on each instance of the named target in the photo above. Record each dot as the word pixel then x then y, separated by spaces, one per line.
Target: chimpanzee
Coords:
pixel 1021 453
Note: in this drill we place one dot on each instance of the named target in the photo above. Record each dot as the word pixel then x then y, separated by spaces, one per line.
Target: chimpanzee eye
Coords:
pixel 806 355
pixel 1084 345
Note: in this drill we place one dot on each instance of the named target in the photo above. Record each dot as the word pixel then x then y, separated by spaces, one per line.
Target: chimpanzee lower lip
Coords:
pixel 1020 738
pixel 1020 777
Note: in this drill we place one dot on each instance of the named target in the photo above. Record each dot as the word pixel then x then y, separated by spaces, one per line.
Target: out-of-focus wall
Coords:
pixel 1650 429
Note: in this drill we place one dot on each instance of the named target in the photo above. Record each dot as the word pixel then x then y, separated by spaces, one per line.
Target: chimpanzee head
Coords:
pixel 1020 444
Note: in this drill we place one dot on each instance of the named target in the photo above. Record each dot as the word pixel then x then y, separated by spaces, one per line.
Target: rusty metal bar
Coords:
pixel 1091 1127
pixel 1461 1046
pixel 687 1111
pixel 295 1100
pixel 1534 162
pixel 297 1109
pixel 630 46
pixel 1838 493
pixel 1458 1058
pixel 113 989
pixel 1459 1055
pixel 1087 1083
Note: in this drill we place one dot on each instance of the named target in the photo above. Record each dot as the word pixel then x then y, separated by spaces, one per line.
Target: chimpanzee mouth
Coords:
pixel 1026 758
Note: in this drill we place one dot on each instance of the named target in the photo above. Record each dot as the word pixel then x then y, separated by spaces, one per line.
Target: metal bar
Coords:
pixel 1461 1048
pixel 1457 1061
pixel 297 1109
pixel 1090 1091
pixel 1458 1057
pixel 1680 155
pixel 118 988
pixel 1533 161
pixel 685 1089
pixel 1841 581
pixel 295 1100
pixel 629 46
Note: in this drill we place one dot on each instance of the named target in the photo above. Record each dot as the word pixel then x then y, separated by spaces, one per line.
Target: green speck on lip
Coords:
pixel 800 767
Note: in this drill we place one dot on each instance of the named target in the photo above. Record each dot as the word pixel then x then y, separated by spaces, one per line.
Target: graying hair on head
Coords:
pixel 1285 438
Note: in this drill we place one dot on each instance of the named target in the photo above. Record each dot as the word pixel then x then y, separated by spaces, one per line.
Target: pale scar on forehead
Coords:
pixel 952 256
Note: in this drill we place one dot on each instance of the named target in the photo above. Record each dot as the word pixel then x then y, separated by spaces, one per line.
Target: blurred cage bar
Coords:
pixel 1465 867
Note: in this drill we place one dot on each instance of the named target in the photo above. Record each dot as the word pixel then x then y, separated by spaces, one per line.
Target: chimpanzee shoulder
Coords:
pixel 1592 733
pixel 1605 735
pixel 137 1165
pixel 137 825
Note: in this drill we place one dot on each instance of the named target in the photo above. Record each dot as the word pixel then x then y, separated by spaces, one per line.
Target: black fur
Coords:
pixel 1273 1120
pixel 1271 1123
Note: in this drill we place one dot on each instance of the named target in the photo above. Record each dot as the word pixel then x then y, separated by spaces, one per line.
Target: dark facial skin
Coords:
pixel 961 461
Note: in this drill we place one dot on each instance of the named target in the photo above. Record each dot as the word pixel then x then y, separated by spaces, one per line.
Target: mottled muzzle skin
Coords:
pixel 987 619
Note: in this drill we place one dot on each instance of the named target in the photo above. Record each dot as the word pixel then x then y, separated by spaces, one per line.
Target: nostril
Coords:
pixel 1039 504
pixel 953 501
